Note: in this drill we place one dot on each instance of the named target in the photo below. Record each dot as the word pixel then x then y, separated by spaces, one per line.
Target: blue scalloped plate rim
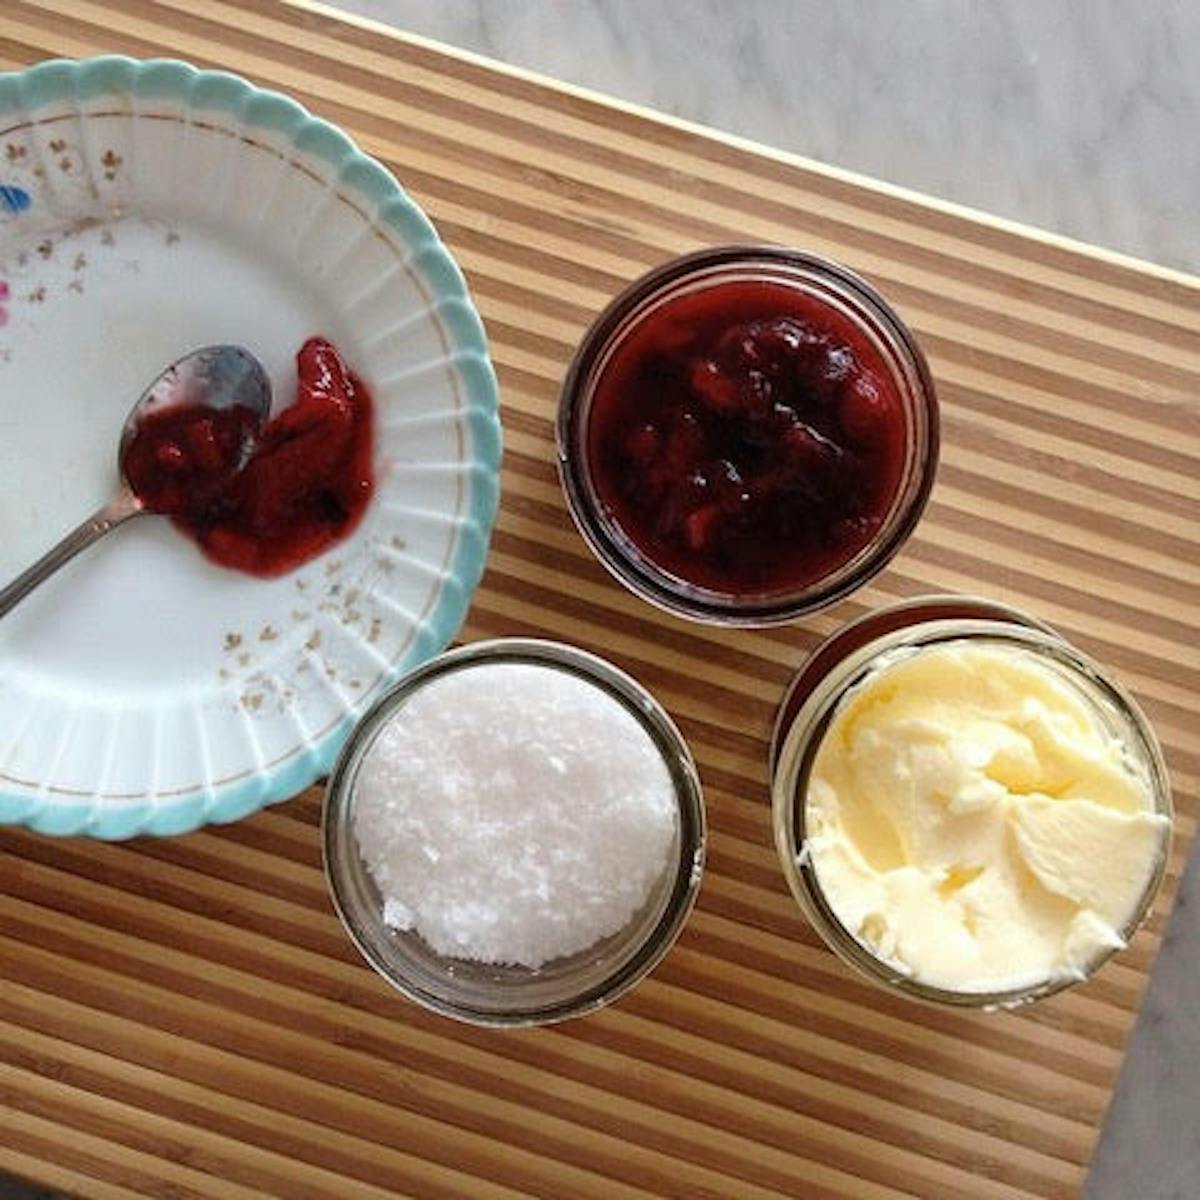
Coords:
pixel 56 80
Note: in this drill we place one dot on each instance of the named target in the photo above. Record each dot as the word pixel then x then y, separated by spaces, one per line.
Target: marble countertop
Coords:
pixel 1071 115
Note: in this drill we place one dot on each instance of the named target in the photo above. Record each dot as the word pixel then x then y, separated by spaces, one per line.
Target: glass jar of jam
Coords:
pixel 747 434
pixel 980 848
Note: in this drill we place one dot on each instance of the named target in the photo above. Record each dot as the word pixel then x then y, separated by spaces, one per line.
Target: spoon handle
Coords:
pixel 117 511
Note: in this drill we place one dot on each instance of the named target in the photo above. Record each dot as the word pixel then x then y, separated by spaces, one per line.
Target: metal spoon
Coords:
pixel 216 377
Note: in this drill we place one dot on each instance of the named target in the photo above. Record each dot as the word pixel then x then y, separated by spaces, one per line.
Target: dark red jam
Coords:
pixel 265 505
pixel 184 458
pixel 747 438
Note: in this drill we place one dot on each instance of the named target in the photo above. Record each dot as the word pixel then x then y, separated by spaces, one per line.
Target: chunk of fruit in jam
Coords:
pixel 184 459
pixel 747 438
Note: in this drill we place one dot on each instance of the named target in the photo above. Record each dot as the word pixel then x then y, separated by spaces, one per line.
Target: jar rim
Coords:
pixel 802 739
pixel 875 318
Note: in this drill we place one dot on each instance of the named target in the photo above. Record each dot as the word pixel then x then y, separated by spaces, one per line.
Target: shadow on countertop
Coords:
pixel 18 1189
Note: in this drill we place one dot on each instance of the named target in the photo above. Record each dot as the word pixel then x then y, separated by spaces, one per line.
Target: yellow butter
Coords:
pixel 973 823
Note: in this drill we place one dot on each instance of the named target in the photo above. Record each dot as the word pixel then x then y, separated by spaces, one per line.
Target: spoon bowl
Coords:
pixel 222 379
pixel 214 377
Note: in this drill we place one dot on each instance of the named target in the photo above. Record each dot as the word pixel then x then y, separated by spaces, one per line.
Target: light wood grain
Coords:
pixel 185 1018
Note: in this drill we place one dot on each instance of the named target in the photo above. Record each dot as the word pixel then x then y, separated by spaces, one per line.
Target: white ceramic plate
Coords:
pixel 147 209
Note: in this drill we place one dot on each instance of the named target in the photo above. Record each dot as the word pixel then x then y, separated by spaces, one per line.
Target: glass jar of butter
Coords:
pixel 879 878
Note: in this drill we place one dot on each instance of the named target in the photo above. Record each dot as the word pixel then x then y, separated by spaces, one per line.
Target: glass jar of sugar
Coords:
pixel 515 834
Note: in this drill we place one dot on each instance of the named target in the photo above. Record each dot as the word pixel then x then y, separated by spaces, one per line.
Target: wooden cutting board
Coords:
pixel 184 1018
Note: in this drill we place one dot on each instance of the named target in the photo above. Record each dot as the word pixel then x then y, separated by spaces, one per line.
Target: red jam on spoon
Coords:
pixel 184 458
pixel 267 505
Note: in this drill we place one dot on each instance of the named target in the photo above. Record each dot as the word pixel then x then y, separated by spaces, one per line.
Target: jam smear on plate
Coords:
pixel 747 438
pixel 265 505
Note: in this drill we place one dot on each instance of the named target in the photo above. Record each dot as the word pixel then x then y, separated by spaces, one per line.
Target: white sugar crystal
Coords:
pixel 513 813
pixel 396 914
